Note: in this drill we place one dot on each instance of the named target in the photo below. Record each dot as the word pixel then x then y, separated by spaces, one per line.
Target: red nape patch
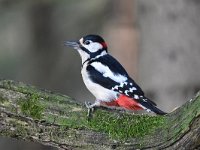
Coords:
pixel 128 103
pixel 104 44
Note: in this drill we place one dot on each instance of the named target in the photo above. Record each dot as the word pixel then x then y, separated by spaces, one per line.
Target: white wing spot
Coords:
pixel 126 92
pixel 115 87
pixel 136 96
pixel 131 84
pixel 121 84
pixel 132 89
pixel 145 100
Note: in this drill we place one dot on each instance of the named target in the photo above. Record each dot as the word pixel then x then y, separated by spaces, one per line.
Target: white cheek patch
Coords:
pixel 93 47
pixel 106 72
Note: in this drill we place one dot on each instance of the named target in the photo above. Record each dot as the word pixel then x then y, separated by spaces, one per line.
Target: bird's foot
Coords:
pixel 90 108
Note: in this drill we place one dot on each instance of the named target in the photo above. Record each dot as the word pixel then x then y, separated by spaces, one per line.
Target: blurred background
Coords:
pixel 157 41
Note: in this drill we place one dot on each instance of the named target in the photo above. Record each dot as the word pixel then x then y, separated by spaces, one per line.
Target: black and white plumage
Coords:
pixel 106 78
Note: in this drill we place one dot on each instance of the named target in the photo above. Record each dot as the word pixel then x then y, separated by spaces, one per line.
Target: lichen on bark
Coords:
pixel 57 120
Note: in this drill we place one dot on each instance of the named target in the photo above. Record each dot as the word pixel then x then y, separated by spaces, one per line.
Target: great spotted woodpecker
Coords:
pixel 106 78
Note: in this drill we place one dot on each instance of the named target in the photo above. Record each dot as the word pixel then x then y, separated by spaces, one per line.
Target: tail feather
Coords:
pixel 147 103
pixel 158 111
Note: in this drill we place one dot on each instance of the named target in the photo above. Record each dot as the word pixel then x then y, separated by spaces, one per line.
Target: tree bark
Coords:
pixel 57 120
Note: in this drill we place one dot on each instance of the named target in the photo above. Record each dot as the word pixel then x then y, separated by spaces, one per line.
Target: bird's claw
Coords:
pixel 90 108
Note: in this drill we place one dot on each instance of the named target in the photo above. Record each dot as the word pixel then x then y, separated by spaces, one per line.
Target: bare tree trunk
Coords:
pixel 42 57
pixel 122 35
pixel 169 50
pixel 56 120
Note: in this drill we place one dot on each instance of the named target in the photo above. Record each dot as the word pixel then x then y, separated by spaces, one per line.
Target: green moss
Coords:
pixel 121 127
pixel 31 106
pixel 125 126
pixel 185 115
pixel 64 111
pixel 71 120
pixel 2 100
pixel 117 126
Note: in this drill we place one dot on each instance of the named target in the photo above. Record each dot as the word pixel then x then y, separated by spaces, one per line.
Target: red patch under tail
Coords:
pixel 125 102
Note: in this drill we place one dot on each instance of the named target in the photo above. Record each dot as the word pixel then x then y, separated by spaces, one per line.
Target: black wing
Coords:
pixel 128 87
pixel 97 75
pixel 112 64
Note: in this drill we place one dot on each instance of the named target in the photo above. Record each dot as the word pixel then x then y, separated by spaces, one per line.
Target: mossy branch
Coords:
pixel 57 120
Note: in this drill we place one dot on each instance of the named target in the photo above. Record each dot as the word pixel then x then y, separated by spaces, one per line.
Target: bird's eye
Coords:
pixel 87 42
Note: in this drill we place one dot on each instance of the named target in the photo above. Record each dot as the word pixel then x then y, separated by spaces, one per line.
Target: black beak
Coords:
pixel 73 44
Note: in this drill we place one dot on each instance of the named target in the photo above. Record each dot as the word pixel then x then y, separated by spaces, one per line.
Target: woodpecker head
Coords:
pixel 89 46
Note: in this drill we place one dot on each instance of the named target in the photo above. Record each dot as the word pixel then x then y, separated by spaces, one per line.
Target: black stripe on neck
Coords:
pixel 85 62
pixel 92 55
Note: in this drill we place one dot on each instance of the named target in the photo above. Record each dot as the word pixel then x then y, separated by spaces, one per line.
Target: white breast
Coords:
pixel 98 91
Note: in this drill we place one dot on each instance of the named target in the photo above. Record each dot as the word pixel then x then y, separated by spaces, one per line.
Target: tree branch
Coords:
pixel 57 120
